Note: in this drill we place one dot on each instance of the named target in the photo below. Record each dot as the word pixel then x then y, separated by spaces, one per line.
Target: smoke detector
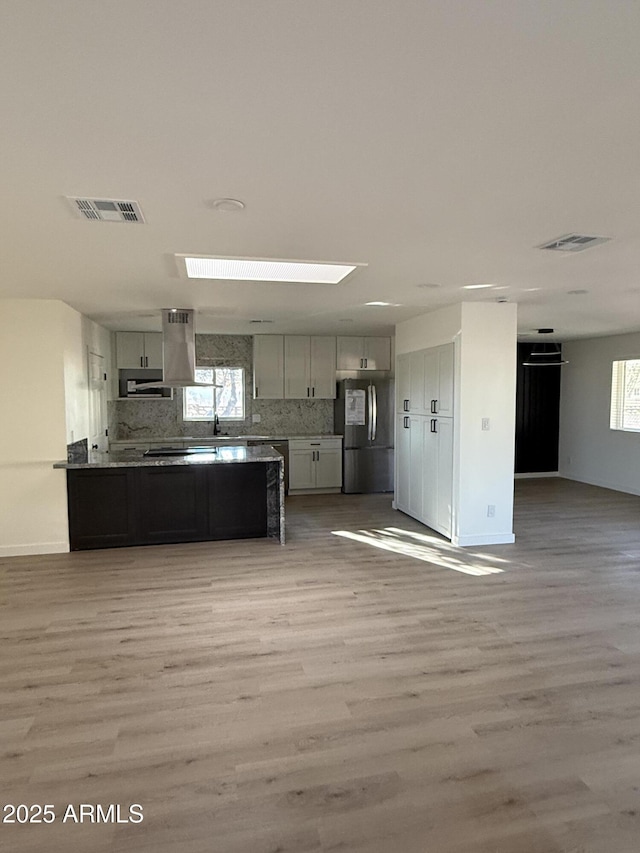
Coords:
pixel 574 243
pixel 106 209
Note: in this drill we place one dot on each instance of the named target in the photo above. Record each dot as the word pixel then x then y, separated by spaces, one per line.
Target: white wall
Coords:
pixel 43 378
pixel 428 330
pixel 588 450
pixel 486 389
pixel 81 336
pixel 33 515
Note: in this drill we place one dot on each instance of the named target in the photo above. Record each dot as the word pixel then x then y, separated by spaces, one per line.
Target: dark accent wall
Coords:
pixel 537 415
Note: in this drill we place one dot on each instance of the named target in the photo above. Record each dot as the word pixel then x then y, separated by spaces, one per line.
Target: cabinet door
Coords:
pixel 268 367
pixel 350 353
pixel 444 405
pixel 430 473
pixel 129 350
pixel 153 350
pixel 444 475
pixel 297 367
pixel 403 383
pixel 173 504
pixel 302 469
pixel 377 353
pixel 430 380
pixel 102 507
pixel 323 367
pixel 328 468
pixel 417 427
pixel 416 394
pixel 403 462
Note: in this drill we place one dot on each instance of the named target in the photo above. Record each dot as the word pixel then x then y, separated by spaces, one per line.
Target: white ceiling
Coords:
pixel 437 141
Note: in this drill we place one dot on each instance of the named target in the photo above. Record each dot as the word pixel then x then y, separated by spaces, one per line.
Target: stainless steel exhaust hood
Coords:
pixel 178 350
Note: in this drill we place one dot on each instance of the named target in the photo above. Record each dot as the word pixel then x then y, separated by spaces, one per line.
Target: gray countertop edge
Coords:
pixel 227 457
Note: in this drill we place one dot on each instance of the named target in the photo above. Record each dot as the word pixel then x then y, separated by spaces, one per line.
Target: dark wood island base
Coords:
pixel 235 493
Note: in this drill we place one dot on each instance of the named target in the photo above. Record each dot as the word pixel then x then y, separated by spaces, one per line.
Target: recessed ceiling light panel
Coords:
pixel 266 269
pixel 476 286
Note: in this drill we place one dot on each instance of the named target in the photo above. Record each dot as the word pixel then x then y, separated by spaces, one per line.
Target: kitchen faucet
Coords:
pixel 216 425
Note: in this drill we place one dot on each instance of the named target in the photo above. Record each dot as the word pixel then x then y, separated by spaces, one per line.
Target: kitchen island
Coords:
pixel 125 499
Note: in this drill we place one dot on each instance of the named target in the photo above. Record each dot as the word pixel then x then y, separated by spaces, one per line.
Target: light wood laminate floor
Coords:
pixel 369 695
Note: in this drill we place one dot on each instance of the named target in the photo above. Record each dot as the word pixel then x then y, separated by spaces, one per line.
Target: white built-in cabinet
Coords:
pixel 294 367
pixel 309 367
pixel 268 367
pixel 425 382
pixel 357 353
pixel 424 436
pixel 138 349
pixel 315 465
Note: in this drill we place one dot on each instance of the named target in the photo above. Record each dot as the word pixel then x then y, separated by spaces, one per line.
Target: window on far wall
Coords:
pixel 625 395
pixel 227 401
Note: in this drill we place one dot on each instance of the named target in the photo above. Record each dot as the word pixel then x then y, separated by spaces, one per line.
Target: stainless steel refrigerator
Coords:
pixel 364 416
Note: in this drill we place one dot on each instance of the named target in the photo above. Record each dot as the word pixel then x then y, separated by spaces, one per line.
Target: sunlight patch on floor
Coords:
pixel 427 548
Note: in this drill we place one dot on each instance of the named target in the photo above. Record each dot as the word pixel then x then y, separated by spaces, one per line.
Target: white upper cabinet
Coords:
pixel 323 366
pixel 438 381
pixel 268 367
pixel 356 353
pixel 297 367
pixel 309 366
pixel 425 381
pixel 139 349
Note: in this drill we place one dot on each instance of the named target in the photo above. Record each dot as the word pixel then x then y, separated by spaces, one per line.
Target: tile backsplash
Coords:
pixel 157 417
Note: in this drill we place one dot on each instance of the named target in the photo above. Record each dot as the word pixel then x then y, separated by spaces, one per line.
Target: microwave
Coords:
pixel 129 380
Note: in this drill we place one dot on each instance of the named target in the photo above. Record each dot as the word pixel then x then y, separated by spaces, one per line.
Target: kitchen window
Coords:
pixel 625 395
pixel 226 401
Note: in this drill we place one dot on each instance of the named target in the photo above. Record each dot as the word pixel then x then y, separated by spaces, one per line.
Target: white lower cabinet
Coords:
pixel 424 470
pixel 315 465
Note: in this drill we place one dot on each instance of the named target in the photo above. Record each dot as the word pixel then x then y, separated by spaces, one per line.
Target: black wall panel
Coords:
pixel 537 415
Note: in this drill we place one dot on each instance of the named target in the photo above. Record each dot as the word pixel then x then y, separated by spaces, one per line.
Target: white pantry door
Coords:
pixel 97 403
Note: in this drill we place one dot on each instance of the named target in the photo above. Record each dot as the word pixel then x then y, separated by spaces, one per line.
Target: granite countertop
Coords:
pixel 214 456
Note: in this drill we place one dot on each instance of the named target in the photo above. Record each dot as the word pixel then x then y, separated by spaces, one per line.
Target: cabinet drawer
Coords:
pixel 315 444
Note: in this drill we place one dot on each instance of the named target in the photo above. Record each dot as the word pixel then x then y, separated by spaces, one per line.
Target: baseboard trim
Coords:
pixel 536 474
pixel 484 539
pixel 35 549
pixel 314 492
pixel 625 490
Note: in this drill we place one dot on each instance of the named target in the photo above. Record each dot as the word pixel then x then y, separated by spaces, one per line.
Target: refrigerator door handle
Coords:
pixel 374 406
pixel 369 413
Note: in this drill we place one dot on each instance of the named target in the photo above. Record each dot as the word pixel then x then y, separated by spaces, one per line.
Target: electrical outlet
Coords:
pixel 491 510
pixel 486 424
pixel 255 419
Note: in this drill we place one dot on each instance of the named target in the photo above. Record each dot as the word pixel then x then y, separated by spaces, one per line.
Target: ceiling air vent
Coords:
pixel 107 209
pixel 574 243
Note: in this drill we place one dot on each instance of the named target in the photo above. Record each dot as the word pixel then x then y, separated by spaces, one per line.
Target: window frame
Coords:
pixel 619 396
pixel 214 368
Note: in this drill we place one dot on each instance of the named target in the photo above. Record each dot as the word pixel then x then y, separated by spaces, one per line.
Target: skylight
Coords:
pixel 261 269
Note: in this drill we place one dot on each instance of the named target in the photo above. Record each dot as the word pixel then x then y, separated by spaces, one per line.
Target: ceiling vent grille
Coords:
pixel 181 317
pixel 574 243
pixel 106 209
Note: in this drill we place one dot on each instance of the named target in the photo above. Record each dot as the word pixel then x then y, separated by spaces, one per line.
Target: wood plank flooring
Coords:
pixel 368 695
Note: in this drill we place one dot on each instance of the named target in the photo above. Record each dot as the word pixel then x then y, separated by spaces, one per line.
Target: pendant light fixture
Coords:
pixel 545 355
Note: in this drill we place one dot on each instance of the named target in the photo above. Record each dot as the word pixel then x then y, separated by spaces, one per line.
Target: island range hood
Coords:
pixel 178 351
